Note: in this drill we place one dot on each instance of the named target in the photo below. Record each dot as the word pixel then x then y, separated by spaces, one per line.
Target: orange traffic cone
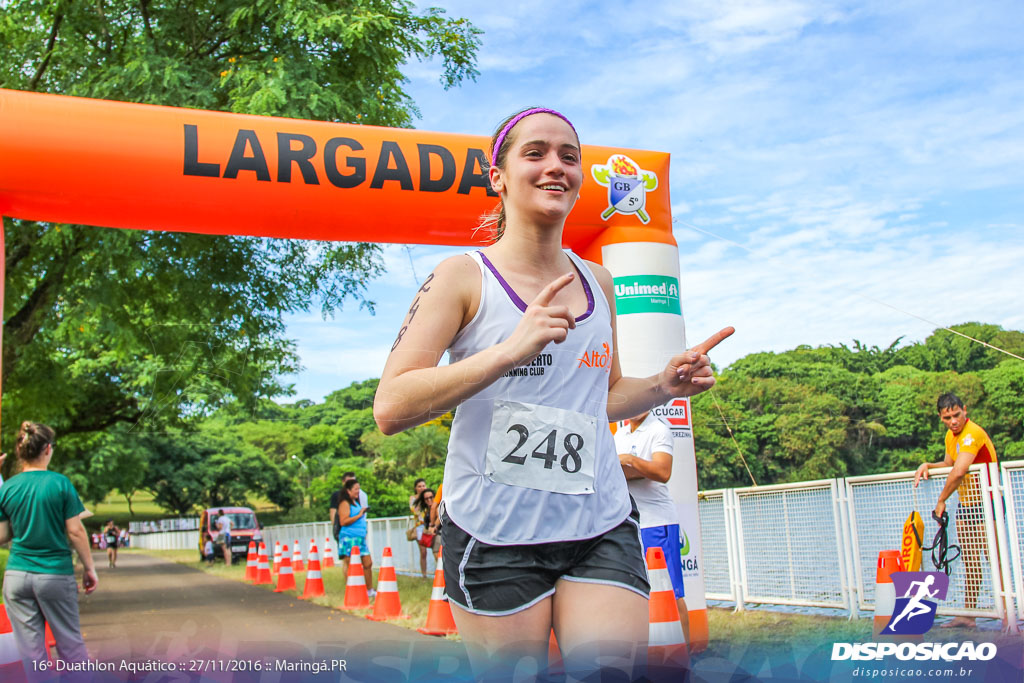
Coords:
pixel 250 562
pixel 329 552
pixel 297 558
pixel 285 576
pixel 556 669
pixel 276 566
pixel 666 643
pixel 889 561
pixel 262 568
pixel 356 596
pixel 10 660
pixel 314 579
pixel 387 604
pixel 439 617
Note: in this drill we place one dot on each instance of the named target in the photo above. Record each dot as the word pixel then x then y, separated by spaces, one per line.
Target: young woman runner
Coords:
pixel 537 525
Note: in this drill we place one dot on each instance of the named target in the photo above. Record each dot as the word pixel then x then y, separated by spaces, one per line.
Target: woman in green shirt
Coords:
pixel 39 512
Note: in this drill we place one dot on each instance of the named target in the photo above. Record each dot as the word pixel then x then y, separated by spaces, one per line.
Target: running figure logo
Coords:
pixel 917 593
pixel 627 184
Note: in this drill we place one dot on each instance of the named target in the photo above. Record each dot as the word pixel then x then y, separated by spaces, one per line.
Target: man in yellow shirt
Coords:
pixel 966 444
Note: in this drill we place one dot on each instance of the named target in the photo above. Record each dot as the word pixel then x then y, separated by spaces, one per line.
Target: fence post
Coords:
pixel 846 542
pixel 736 556
pixel 1003 562
pixel 988 491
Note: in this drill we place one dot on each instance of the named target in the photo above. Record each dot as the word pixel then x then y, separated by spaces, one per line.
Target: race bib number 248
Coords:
pixel 543 448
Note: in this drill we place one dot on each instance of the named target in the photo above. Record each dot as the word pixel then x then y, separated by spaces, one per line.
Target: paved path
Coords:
pixel 150 610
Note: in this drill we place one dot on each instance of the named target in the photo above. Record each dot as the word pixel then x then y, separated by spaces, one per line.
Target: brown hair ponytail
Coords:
pixel 33 438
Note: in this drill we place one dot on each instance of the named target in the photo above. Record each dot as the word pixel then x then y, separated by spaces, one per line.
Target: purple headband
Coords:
pixel 516 119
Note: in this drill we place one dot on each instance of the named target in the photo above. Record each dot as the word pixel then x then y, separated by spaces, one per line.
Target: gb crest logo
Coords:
pixel 627 184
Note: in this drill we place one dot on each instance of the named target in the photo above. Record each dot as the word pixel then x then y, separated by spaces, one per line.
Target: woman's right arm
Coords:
pixel 413 390
pixel 80 542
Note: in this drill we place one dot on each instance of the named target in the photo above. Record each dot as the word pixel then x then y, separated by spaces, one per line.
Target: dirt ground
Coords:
pixel 148 614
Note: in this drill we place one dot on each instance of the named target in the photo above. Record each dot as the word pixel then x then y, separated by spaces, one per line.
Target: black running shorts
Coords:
pixel 497 580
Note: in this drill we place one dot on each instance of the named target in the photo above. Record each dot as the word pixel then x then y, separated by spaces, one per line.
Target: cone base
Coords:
pixel 437 632
pixel 308 596
pixel 698 631
pixel 397 616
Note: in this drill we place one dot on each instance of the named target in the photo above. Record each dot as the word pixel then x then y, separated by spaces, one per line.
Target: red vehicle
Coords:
pixel 244 528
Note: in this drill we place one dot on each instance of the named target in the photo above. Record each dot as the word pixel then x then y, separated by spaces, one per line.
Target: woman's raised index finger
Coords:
pixel 545 296
pixel 712 341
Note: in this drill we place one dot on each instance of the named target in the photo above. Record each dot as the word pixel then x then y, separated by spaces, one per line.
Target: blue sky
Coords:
pixel 840 170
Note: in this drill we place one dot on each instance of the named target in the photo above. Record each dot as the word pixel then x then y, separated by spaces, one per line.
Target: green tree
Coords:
pixel 943 350
pixel 211 468
pixel 106 327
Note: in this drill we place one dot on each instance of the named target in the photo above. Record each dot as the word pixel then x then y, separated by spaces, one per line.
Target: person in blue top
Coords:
pixel 352 519
pixel 39 513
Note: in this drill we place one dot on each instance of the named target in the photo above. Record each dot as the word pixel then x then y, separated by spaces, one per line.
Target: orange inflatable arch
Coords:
pixel 143 167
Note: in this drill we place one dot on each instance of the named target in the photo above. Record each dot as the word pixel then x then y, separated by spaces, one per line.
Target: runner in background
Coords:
pixel 112 535
pixel 966 444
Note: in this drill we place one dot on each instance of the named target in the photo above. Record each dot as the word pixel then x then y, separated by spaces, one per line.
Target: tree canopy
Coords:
pixel 150 330
pixel 837 411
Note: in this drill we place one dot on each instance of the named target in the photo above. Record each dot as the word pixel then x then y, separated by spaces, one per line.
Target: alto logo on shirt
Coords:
pixel 597 359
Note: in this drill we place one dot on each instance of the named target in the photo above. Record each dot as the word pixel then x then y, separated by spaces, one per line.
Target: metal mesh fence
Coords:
pixel 789 550
pixel 714 546
pixel 879 509
pixel 1013 481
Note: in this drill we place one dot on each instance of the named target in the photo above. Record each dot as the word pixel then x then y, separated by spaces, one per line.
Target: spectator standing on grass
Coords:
pixel 336 498
pixel 966 444
pixel 426 531
pixel 417 489
pixel 208 551
pixel 224 527
pixel 351 518
pixel 39 514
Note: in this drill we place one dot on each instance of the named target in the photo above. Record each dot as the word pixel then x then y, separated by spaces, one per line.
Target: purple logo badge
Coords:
pixel 916 596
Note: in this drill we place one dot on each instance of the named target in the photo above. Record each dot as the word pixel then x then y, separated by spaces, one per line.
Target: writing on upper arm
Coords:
pixel 412 311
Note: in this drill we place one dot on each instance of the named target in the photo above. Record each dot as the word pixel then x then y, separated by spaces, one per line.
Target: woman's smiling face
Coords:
pixel 542 171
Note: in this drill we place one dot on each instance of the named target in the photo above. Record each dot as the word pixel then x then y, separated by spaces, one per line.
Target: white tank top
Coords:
pixel 531 458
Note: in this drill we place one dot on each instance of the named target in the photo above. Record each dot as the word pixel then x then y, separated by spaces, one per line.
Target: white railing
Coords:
pixel 381 532
pixel 162 525
pixel 816 544
pixel 1013 497
pixel 168 540
pixel 791 545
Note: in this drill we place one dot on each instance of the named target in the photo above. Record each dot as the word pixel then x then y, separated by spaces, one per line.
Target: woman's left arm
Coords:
pixel 686 374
